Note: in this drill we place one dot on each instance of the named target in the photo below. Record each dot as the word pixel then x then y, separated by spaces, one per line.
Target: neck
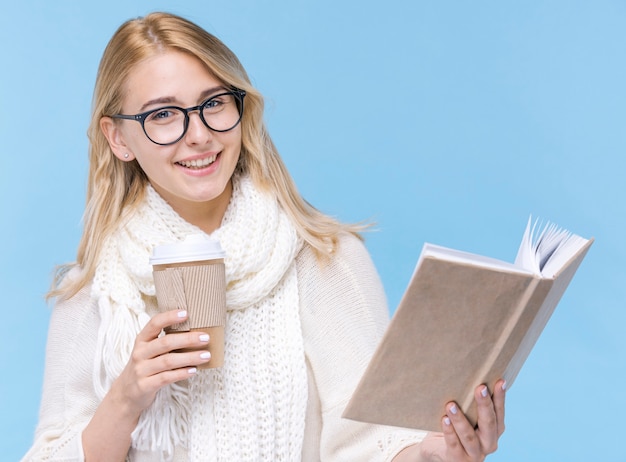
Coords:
pixel 205 215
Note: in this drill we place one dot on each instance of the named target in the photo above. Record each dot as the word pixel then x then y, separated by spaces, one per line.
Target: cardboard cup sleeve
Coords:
pixel 199 288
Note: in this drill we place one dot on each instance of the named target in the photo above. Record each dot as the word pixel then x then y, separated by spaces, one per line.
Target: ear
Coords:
pixel 114 136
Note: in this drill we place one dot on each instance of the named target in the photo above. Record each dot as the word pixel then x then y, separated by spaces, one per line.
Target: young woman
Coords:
pixel 178 145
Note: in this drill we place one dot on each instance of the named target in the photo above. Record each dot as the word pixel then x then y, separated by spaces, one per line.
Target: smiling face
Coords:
pixel 192 175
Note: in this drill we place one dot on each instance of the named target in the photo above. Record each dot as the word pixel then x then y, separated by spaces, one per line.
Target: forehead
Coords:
pixel 172 74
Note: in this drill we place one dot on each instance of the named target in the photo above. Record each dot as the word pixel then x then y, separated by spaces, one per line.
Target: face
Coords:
pixel 192 175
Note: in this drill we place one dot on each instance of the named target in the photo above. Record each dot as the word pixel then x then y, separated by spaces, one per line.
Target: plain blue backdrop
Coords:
pixel 448 122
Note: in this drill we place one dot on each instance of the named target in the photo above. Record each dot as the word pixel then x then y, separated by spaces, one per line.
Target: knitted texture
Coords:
pixel 336 359
pixel 253 408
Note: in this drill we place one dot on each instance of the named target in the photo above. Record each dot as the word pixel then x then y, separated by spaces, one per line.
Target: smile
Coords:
pixel 198 163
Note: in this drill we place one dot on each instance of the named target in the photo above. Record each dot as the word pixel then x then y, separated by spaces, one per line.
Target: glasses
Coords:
pixel 167 125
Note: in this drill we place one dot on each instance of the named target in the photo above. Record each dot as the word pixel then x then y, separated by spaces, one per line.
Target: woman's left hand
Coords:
pixel 460 441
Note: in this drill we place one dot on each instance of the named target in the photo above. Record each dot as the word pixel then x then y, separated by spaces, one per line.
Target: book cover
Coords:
pixel 464 320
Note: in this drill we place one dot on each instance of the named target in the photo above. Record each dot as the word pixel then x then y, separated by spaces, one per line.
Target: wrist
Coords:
pixel 409 454
pixel 107 437
pixel 117 399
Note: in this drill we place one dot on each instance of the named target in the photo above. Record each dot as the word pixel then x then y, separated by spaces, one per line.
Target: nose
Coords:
pixel 197 131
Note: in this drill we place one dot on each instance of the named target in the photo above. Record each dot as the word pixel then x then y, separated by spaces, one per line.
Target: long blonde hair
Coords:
pixel 115 188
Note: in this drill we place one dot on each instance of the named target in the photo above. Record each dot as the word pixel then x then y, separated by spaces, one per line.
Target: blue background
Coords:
pixel 448 122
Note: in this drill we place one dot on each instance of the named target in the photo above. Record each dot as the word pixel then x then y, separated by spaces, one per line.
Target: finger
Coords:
pixel 145 347
pixel 499 396
pixel 160 321
pixel 164 353
pixel 157 381
pixel 174 361
pixel 466 442
pixel 487 421
pixel 453 444
pixel 178 341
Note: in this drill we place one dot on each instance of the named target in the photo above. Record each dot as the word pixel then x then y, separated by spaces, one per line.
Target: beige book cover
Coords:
pixel 464 320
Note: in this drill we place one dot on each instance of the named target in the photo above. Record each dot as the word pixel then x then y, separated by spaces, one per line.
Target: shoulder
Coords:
pixel 346 278
pixel 72 304
pixel 349 253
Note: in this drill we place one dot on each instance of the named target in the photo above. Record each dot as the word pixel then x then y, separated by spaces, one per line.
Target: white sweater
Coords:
pixel 343 313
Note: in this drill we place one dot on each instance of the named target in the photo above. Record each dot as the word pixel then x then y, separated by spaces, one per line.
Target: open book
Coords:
pixel 464 320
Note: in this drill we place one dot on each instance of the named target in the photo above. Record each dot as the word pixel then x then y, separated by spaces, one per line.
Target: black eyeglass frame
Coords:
pixel 141 118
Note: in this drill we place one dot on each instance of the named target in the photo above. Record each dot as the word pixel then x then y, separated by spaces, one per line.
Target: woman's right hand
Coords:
pixel 154 361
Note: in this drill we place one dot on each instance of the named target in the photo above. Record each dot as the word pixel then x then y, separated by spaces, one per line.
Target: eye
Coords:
pixel 164 115
pixel 161 114
pixel 215 104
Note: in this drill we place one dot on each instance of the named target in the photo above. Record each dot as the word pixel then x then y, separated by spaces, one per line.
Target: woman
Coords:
pixel 178 145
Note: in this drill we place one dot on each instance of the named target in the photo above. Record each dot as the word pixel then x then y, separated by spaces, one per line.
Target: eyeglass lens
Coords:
pixel 167 125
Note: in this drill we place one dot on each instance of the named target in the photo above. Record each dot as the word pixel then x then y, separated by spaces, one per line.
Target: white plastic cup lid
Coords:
pixel 195 247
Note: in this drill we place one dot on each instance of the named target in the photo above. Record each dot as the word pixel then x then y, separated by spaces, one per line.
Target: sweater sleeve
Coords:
pixel 344 315
pixel 68 399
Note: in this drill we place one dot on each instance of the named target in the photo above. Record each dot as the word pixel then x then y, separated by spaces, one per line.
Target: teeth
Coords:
pixel 198 163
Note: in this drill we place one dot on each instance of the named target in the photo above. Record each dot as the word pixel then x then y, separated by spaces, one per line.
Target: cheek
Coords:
pixel 237 146
pixel 231 144
pixel 235 140
pixel 152 158
pixel 136 140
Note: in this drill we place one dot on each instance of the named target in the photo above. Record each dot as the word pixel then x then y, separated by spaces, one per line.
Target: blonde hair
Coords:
pixel 115 187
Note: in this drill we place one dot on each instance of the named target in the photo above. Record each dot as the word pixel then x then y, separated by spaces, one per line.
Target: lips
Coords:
pixel 198 163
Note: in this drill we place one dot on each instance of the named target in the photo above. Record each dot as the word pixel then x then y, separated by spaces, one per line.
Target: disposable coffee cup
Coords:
pixel 189 275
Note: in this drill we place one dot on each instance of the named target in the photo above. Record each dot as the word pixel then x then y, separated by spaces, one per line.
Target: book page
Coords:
pixel 458 256
pixel 544 250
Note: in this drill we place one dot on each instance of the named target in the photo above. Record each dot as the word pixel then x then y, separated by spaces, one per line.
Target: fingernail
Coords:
pixel 204 337
pixel 192 370
pixel 503 386
pixel 453 409
pixel 446 420
pixel 205 355
pixel 483 392
pixel 182 313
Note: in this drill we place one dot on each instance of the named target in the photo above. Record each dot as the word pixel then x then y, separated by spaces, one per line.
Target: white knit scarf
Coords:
pixel 253 408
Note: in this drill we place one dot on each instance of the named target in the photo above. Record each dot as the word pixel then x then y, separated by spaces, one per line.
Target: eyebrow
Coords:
pixel 170 99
